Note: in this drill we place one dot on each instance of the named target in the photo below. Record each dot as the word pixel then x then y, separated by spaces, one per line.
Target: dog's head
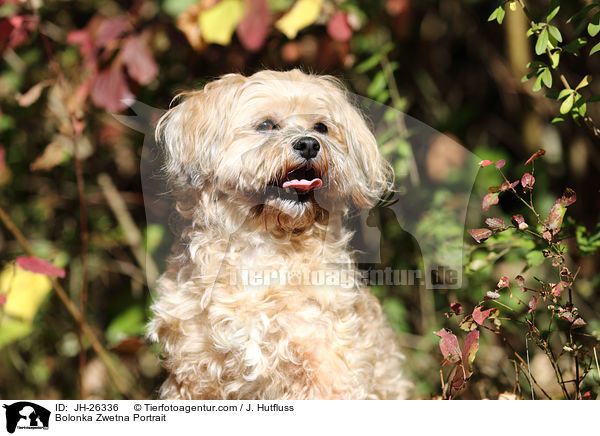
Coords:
pixel 288 142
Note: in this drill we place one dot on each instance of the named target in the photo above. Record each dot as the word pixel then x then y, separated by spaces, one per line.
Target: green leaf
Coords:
pixel 584 82
pixel 537 84
pixel 554 8
pixel 574 46
pixel 564 93
pixel 557 120
pixel 547 78
pixel 595 49
pixel 582 109
pixel 369 63
pixel 129 323
pixel 555 59
pixel 555 33
pixel 594 25
pixel 566 106
pixel 542 42
pixel 534 258
pixel 497 15
pixel 377 85
pixel 176 7
pixel 12 329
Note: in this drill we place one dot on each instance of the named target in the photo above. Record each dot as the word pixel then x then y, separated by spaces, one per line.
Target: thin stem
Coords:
pixel 75 313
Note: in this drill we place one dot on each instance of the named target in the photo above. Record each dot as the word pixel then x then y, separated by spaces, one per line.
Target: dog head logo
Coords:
pixel 295 166
pixel 26 415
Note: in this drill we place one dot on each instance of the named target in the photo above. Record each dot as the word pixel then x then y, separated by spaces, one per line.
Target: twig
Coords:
pixel 131 232
pixel 75 313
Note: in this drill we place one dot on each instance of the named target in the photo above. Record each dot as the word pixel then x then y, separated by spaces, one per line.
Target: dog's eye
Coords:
pixel 321 128
pixel 267 124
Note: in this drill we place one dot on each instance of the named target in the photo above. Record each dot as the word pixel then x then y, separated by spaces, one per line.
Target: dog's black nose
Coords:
pixel 307 147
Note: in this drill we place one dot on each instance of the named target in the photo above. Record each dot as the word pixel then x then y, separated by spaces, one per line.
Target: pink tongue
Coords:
pixel 303 185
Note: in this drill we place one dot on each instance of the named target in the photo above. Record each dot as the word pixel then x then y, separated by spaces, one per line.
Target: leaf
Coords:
pixel 574 46
pixel 554 8
pixel 595 49
pixel 109 89
pixel 557 120
pixel 485 163
pixel 456 308
pixel 470 347
pixel 495 223
pixel 537 85
pixel 566 105
pixel 254 27
pixel 555 217
pixel 559 287
pixel 547 78
pixel 480 315
pixel 519 222
pixel 128 323
pixel 302 14
pixel 533 303
pixel 111 29
pixel 39 266
pixel 527 180
pixel 520 280
pixel 584 82
pixel 33 94
pixel 503 283
pixel 338 27
pixel 139 60
pixel 568 198
pixel 578 323
pixel 555 33
pixel 53 155
pixel 555 59
pixel 12 329
pixel 497 14
pixel 594 25
pixel 489 199
pixel 500 163
pixel 480 234
pixel 25 292
pixel 218 23
pixel 449 346
pixel 490 295
pixel 535 156
pixel 542 42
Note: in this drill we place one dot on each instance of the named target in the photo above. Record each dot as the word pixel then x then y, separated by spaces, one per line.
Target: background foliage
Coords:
pixel 70 181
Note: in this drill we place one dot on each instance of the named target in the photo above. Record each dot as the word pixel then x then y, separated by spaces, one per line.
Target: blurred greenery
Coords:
pixel 440 61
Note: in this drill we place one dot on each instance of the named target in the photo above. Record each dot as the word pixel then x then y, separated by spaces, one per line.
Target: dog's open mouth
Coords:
pixel 303 179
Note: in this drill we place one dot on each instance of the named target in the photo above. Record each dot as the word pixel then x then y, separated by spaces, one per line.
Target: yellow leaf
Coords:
pixel 218 23
pixel 513 6
pixel 25 291
pixel 302 14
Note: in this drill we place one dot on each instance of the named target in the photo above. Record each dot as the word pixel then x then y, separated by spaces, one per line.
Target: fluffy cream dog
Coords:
pixel 264 167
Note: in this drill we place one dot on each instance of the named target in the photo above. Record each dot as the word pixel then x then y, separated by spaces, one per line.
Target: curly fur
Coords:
pixel 224 338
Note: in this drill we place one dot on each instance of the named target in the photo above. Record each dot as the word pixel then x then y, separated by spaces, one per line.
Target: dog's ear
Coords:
pixel 375 173
pixel 191 133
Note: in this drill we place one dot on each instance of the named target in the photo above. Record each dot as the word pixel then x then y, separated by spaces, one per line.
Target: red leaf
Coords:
pixel 555 217
pixel 111 29
pixel 470 347
pixel 485 163
pixel 500 164
pixel 503 283
pixel 480 234
pixel 578 323
pixel 520 280
pixel 489 200
pixel 338 27
pixel 495 223
pixel 456 308
pixel 139 60
pixel 2 299
pixel 448 345
pixel 480 315
pixel 109 89
pixel 559 287
pixel 568 198
pixel 506 186
pixel 40 266
pixel 532 303
pixel 527 181
pixel 254 27
pixel 519 222
pixel 536 156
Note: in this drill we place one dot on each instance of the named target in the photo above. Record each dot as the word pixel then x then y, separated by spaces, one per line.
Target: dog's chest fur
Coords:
pixel 271 317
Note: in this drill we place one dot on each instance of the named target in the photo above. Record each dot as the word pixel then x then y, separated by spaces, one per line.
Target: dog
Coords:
pixel 263 169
